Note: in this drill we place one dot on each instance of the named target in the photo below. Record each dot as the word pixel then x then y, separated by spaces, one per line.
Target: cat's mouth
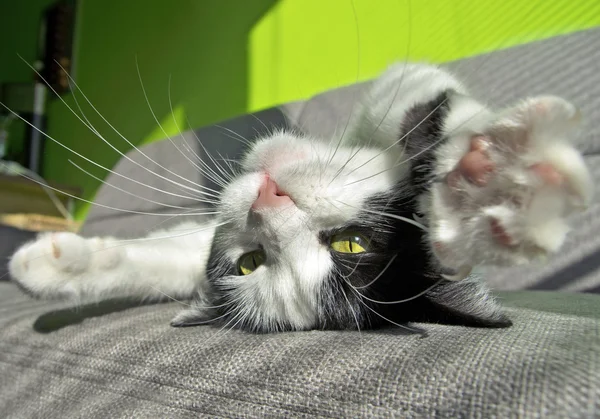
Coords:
pixel 270 195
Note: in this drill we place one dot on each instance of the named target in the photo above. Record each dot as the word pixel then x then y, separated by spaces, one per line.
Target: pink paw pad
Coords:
pixel 55 249
pixel 475 166
pixel 548 173
pixel 500 234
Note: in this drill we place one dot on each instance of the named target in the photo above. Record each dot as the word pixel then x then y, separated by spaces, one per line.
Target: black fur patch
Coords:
pixel 422 132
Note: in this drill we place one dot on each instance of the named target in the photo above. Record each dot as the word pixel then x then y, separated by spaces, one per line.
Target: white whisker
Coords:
pixel 378 276
pixel 237 136
pixel 402 326
pixel 89 160
pixel 385 214
pixel 406 300
pixel 91 128
pixel 114 208
pixel 185 143
pixel 132 194
pixel 216 175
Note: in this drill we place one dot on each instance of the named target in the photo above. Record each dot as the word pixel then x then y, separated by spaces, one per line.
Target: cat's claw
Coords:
pixel 507 198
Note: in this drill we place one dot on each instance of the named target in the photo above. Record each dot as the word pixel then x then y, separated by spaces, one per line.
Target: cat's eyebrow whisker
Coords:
pixel 237 136
pixel 93 130
pixel 131 193
pixel 402 326
pixel 341 169
pixel 416 330
pixel 395 143
pixel 378 276
pixel 355 265
pixel 211 320
pixel 385 214
pixel 406 300
pixel 351 113
pixel 242 314
pixel 269 131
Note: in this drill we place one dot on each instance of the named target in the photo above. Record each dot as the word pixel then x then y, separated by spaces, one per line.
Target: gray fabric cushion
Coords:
pixel 130 363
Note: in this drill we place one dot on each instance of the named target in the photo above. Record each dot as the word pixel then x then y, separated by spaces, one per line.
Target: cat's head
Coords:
pixel 318 235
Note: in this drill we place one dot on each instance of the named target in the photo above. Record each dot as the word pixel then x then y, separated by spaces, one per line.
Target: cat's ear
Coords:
pixel 467 302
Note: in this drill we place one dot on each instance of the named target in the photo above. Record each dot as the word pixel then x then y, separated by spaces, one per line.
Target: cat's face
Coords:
pixel 304 243
pixel 275 253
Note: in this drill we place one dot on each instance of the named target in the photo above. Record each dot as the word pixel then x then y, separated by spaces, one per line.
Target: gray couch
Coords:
pixel 122 359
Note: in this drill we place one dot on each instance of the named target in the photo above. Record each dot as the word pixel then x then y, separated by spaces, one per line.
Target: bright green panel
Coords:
pixel 303 47
pixel 201 45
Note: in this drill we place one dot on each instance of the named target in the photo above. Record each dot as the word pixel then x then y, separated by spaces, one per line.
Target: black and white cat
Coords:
pixel 381 224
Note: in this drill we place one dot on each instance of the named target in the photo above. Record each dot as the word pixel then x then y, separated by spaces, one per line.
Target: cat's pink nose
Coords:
pixel 269 196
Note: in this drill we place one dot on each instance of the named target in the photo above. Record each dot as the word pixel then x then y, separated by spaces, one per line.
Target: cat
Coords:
pixel 379 225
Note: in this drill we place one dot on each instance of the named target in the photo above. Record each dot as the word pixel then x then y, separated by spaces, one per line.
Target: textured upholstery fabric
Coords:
pixel 120 359
pixel 130 363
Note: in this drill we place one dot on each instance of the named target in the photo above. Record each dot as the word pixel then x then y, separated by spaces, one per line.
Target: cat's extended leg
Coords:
pixel 64 265
pixel 505 187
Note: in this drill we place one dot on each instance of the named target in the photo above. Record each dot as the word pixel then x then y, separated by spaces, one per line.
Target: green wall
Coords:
pixel 201 45
pixel 302 47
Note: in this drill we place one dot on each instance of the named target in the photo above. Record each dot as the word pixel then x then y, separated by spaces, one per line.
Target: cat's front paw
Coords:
pixel 505 198
pixel 55 265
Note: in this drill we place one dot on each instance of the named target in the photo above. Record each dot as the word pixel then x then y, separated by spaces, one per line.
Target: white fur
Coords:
pixel 537 130
pixel 66 265
pixel 329 181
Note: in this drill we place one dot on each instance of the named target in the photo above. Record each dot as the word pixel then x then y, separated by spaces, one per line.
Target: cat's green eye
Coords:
pixel 248 262
pixel 349 242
